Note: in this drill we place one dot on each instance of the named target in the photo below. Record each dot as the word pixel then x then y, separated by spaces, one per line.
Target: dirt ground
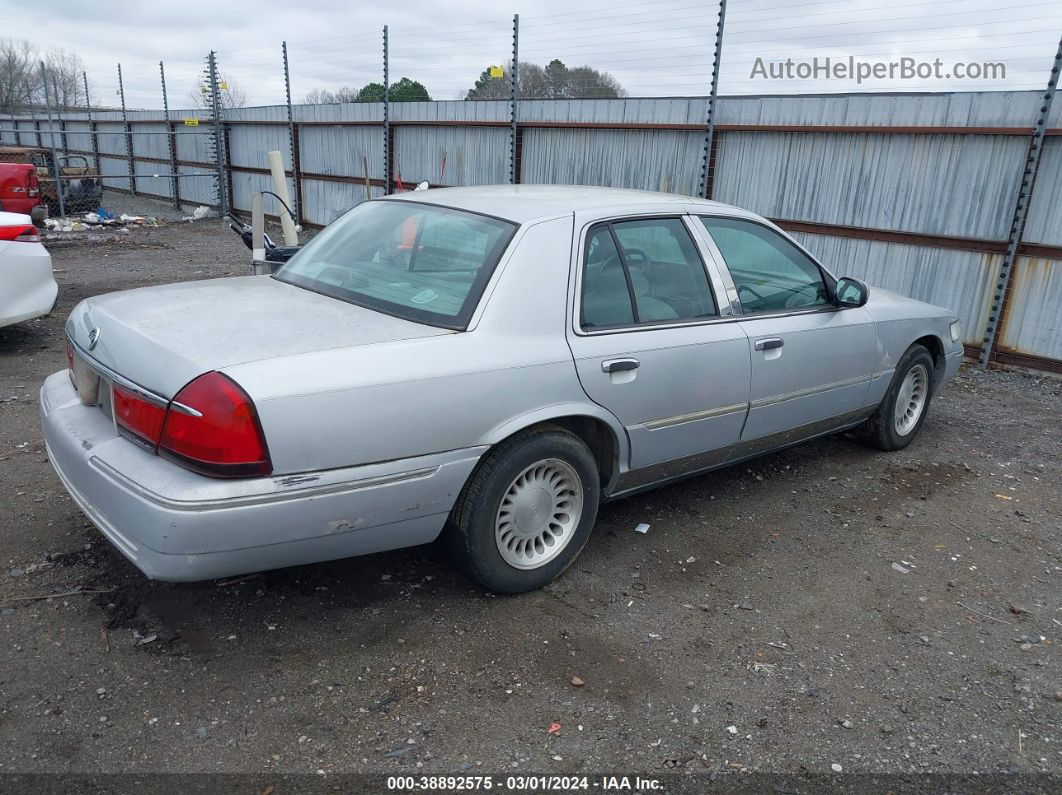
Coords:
pixel 827 605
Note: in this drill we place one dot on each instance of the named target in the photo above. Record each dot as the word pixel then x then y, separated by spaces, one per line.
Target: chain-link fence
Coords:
pixel 794 110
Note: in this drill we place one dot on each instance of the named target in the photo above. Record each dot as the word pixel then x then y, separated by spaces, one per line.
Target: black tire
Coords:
pixel 880 430
pixel 470 533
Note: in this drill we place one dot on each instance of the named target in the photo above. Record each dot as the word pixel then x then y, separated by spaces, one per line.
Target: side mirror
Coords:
pixel 851 292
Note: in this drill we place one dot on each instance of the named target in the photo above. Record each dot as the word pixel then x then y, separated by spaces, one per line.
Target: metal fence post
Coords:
pixel 514 134
pixel 514 91
pixel 386 116
pixel 219 143
pixel 128 134
pixel 1021 211
pixel 171 139
pixel 293 141
pixel 708 159
pixel 56 174
pixel 92 128
pixel 59 115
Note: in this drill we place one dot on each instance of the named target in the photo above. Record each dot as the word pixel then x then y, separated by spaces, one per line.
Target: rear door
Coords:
pixel 655 341
pixel 811 361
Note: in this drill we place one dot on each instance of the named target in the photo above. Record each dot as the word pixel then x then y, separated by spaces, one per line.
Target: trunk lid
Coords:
pixel 162 337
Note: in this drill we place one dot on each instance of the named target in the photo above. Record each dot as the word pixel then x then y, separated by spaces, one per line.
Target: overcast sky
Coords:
pixel 661 48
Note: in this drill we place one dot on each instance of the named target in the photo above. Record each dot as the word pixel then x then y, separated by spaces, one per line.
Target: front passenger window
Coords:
pixel 769 272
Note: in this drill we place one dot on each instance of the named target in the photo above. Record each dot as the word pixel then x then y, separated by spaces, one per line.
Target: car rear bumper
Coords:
pixel 28 288
pixel 177 525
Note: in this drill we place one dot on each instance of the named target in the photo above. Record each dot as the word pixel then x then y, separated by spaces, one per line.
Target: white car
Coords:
pixel 28 288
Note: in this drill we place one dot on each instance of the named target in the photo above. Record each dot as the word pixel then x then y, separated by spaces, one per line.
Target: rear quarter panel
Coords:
pixel 394 400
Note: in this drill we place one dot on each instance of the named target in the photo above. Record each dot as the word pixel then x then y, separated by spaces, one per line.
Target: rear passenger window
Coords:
pixel 643 271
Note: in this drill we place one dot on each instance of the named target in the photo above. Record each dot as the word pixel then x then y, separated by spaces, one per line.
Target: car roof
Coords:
pixel 526 203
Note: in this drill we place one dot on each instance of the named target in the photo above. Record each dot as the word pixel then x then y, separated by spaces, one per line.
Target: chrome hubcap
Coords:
pixel 539 514
pixel 911 400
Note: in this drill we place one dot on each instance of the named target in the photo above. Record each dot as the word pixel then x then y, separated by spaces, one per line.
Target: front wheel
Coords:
pixel 902 411
pixel 526 511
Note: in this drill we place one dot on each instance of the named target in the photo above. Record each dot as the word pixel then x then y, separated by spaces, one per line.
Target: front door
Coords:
pixel 811 361
pixel 651 343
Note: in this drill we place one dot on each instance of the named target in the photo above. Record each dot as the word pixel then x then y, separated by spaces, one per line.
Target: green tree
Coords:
pixel 405 90
pixel 554 81
pixel 488 87
pixel 371 92
pixel 557 78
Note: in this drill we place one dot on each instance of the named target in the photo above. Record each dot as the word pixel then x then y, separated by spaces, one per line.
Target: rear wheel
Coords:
pixel 526 512
pixel 902 411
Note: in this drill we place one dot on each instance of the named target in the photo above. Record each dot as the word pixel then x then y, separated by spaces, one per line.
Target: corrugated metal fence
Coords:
pixel 913 192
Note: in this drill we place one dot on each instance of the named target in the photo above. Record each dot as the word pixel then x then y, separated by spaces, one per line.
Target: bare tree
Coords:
pixel 322 96
pixel 229 91
pixel 319 96
pixel 19 74
pixel 65 86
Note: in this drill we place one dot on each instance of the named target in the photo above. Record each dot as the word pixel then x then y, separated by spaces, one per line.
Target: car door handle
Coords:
pixel 769 343
pixel 619 365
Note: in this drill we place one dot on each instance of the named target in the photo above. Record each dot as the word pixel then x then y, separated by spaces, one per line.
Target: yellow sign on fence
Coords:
pixel 191 122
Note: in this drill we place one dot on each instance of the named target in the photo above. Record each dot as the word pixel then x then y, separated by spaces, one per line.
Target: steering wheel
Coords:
pixel 801 297
pixel 637 252
pixel 748 289
pixel 599 267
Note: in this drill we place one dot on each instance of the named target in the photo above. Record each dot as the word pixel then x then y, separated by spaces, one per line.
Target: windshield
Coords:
pixel 417 261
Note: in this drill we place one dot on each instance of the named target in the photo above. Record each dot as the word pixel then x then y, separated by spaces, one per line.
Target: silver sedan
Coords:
pixel 482 364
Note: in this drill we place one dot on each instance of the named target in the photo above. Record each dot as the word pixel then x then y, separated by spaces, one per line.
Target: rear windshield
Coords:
pixel 420 262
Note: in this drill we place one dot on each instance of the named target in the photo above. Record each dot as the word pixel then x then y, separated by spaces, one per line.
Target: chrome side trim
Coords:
pixel 668 422
pixel 638 480
pixel 185 409
pixel 259 499
pixel 770 401
pixel 117 378
pixel 709 322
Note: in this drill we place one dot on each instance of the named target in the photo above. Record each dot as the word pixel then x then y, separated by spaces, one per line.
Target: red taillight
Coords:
pixel 220 435
pixel 20 234
pixel 69 355
pixel 138 417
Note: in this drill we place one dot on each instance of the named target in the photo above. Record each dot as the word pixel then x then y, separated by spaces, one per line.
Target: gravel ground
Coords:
pixel 826 605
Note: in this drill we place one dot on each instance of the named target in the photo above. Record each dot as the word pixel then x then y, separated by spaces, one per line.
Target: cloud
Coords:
pixel 661 48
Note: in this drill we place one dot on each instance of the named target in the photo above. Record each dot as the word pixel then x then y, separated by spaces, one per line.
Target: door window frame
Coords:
pixel 716 286
pixel 829 280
